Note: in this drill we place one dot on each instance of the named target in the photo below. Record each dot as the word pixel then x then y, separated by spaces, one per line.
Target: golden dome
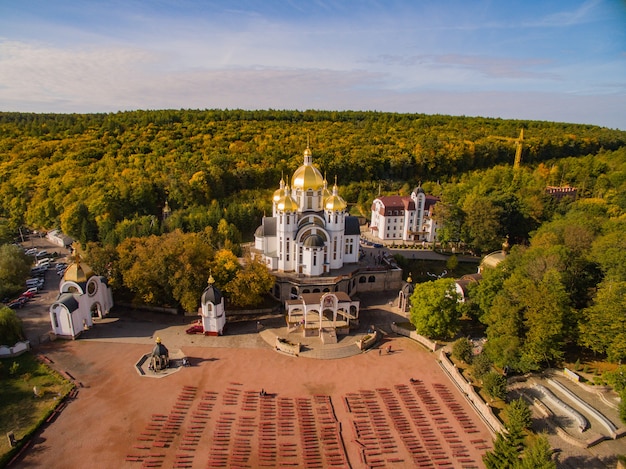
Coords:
pixel 286 203
pixel 78 272
pixel 278 194
pixel 335 203
pixel 307 176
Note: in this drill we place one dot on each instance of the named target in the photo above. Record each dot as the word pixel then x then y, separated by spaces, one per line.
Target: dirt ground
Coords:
pixel 118 417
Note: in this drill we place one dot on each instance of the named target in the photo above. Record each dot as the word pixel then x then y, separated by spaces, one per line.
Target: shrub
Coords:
pixel 462 349
pixel 10 327
pixel 482 365
pixel 495 385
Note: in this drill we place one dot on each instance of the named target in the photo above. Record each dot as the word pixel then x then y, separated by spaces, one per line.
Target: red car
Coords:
pixel 196 328
pixel 27 294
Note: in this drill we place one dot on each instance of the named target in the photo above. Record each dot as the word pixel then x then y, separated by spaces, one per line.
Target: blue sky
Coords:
pixel 556 60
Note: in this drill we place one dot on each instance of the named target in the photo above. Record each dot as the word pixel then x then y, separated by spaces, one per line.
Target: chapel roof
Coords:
pixel 211 294
pixel 78 272
pixel 69 301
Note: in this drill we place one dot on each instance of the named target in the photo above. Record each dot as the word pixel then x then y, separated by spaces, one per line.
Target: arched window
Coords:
pixel 362 279
pixel 371 279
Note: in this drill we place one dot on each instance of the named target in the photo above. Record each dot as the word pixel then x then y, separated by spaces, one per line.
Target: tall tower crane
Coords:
pixel 518 149
pixel 519 144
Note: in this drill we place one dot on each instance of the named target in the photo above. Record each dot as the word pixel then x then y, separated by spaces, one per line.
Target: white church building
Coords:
pixel 83 295
pixel 404 218
pixel 310 232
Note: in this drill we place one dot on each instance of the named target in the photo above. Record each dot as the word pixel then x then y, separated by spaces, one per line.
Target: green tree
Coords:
pixel 505 454
pixel 166 270
pixel 11 330
pixel 495 385
pixel 224 267
pixel 526 320
pixel 481 365
pixel 482 229
pixel 538 454
pixel 14 269
pixel 518 415
pixel 604 327
pixel 103 260
pixel 452 263
pixel 7 233
pixel 188 279
pixel 462 349
pixel 250 284
pixel 509 443
pixel 79 223
pixel 609 250
pixel 435 308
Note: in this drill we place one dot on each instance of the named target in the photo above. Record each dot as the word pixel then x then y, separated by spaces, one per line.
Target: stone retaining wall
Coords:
pixel 429 344
pixel 15 351
pixel 494 425
pixel 368 341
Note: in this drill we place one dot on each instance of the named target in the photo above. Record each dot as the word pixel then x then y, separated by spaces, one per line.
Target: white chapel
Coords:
pixel 82 296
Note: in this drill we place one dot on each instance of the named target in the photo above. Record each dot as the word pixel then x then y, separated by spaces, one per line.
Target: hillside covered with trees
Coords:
pixel 104 179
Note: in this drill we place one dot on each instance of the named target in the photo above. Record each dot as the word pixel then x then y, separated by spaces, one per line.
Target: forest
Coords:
pixel 105 179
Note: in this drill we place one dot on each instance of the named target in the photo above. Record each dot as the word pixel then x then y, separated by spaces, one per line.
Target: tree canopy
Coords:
pixel 435 308
pixel 104 177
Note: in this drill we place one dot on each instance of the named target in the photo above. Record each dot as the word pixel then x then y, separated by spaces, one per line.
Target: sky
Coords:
pixel 552 60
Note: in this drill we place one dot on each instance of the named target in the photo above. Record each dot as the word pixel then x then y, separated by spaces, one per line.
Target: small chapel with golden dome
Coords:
pixel 310 232
pixel 83 295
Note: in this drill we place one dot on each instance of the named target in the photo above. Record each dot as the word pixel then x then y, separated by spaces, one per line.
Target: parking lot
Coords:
pixel 34 311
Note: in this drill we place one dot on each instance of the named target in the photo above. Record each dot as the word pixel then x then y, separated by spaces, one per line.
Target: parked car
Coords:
pixel 35 282
pixel 27 294
pixel 196 328
pixel 17 303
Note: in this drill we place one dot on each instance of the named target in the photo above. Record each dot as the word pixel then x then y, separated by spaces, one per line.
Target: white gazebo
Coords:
pixel 315 312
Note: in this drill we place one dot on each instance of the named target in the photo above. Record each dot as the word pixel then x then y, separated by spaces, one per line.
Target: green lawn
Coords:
pixel 20 411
